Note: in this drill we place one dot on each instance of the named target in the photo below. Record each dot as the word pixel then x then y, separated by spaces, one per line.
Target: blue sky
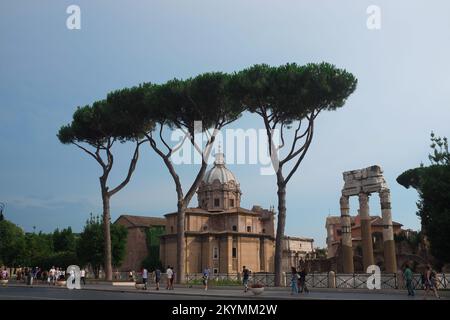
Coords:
pixel 47 70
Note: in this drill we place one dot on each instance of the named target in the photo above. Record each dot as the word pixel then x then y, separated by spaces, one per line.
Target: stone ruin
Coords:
pixel 362 183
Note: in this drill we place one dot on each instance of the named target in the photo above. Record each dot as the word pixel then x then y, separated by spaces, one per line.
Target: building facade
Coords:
pixel 334 234
pixel 220 234
pixel 296 250
pixel 137 247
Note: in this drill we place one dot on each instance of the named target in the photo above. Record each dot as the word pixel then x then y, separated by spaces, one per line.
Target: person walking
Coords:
pixel 169 273
pixel 172 280
pixel 157 278
pixel 83 276
pixel 245 277
pixel 430 282
pixel 206 273
pixel 144 277
pixel 51 275
pixel 4 274
pixel 408 276
pixel 294 280
pixel 302 281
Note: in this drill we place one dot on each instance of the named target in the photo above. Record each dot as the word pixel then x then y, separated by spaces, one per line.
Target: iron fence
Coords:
pixel 321 280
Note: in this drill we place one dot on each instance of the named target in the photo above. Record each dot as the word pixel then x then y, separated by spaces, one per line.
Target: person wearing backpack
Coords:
pixel 430 282
pixel 302 281
pixel 206 273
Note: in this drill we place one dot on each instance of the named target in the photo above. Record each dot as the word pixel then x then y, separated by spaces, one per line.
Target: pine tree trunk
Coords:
pixel 280 231
pixel 181 243
pixel 107 234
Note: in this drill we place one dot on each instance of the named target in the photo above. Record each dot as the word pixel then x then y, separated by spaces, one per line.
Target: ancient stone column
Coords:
pixel 390 259
pixel 346 229
pixel 366 230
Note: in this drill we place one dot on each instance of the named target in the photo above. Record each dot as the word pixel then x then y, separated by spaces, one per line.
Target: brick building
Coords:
pixel 334 233
pixel 137 243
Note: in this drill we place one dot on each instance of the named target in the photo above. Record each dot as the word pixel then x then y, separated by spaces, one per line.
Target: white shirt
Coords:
pixel 82 273
pixel 169 273
pixel 145 274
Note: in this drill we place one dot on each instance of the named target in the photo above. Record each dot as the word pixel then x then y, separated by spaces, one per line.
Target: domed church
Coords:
pixel 219 233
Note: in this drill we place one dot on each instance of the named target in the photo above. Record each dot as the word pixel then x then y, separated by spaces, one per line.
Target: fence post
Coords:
pixel 331 279
pixel 395 281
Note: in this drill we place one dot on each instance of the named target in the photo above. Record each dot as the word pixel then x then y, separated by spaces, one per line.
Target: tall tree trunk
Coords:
pixel 181 242
pixel 280 229
pixel 107 233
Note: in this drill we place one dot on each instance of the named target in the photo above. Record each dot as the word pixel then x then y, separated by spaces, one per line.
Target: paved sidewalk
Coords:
pixel 269 293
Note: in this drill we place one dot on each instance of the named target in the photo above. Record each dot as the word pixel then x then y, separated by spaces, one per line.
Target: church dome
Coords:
pixel 219 172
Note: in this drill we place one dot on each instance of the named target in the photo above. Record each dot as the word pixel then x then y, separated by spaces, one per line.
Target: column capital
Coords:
pixel 362 196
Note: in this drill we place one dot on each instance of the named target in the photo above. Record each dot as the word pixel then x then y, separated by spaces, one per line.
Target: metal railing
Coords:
pixel 320 280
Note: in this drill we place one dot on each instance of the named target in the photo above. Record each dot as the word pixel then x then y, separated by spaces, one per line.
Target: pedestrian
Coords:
pixel 169 273
pixel 144 277
pixel 302 281
pixel 83 276
pixel 245 277
pixel 206 273
pixel 173 278
pixel 408 276
pixel 130 276
pixel 4 274
pixel 294 281
pixel 53 275
pixel 430 282
pixel 157 278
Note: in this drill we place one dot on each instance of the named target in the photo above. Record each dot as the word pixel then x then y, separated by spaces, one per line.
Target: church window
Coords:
pixel 231 203
pixel 263 230
pixel 216 271
pixel 234 228
pixel 249 229
pixel 216 202
pixel 216 253
pixel 234 253
pixel 171 229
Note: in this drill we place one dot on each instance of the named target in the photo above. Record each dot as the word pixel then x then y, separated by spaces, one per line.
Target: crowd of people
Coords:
pixel 298 278
pixel 32 275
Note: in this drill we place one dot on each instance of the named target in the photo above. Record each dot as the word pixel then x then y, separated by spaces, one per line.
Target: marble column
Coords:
pixel 390 259
pixel 346 229
pixel 366 230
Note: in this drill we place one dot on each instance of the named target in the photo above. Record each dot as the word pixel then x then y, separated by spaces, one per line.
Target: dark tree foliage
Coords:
pixel 91 243
pixel 12 244
pixel 64 240
pixel 433 185
pixel 96 129
pixel 152 261
pixel 286 97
